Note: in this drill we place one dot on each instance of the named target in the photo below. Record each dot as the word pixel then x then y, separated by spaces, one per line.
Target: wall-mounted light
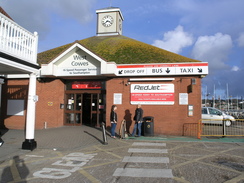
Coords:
pixel 193 81
pixel 128 83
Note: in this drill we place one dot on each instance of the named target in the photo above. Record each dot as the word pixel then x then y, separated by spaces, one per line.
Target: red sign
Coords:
pixel 86 85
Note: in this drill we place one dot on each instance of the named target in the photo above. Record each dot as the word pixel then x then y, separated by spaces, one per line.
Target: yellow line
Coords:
pixel 109 152
pixel 89 176
pixel 59 154
pixel 101 164
pixel 236 179
pixel 14 170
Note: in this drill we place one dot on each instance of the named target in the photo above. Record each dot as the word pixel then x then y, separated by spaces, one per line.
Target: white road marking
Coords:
pixel 139 172
pixel 139 159
pixel 35 156
pixel 148 144
pixel 136 150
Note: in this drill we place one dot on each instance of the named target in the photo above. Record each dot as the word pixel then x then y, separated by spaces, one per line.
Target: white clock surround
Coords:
pixel 109 22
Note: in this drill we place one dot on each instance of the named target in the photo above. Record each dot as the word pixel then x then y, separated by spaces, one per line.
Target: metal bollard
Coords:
pixel 105 142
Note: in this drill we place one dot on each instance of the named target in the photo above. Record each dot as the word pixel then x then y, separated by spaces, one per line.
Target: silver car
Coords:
pixel 214 116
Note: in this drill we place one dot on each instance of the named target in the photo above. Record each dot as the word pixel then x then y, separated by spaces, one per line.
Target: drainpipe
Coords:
pixel 30 143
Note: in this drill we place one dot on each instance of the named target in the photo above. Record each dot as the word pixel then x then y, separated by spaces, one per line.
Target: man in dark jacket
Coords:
pixel 138 120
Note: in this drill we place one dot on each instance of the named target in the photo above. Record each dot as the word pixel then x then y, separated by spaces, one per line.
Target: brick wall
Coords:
pixel 16 90
pixel 51 95
pixel 168 119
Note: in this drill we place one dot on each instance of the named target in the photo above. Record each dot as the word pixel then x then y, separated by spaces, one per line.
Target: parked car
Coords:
pixel 214 116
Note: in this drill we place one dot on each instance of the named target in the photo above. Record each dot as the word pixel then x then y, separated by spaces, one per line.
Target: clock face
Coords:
pixel 107 21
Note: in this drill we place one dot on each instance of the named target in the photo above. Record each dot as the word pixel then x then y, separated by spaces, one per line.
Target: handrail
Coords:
pixel 17 41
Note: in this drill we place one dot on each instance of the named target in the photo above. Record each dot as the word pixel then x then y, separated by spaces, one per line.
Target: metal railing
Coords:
pixel 214 128
pixel 17 41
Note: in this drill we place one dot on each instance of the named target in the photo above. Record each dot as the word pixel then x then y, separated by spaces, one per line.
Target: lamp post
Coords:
pixel 207 97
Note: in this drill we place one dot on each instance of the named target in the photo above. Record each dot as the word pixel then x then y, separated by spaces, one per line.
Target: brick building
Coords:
pixel 79 82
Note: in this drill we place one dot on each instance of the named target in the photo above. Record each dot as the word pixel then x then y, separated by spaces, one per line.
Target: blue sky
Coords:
pixel 207 30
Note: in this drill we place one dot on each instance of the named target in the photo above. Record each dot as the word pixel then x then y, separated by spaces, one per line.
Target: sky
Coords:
pixel 207 30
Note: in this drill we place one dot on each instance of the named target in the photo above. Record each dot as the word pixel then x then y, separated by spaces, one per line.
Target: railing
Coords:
pixel 17 41
pixel 219 128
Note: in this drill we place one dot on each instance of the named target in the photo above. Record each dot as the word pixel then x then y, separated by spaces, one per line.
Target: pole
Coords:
pixel 227 93
pixel 214 97
pixel 30 143
pixel 224 127
pixel 206 96
pixel 237 103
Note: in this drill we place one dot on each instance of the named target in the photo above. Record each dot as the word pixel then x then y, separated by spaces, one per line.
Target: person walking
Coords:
pixel 138 120
pixel 113 120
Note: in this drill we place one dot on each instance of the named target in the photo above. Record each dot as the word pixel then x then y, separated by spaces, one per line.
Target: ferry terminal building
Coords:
pixel 79 82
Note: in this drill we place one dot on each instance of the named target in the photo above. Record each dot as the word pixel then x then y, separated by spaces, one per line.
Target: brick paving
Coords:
pixel 78 154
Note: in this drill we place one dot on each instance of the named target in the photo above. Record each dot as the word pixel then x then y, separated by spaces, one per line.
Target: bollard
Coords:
pixel 105 142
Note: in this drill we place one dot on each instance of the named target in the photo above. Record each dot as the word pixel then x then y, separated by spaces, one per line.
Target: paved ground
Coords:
pixel 77 154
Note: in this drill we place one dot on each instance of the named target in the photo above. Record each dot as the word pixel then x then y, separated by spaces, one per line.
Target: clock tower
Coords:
pixel 109 21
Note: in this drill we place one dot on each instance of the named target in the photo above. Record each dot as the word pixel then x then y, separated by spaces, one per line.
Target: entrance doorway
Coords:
pixel 84 108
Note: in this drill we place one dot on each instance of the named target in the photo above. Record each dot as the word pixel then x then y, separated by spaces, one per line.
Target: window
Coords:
pixel 204 111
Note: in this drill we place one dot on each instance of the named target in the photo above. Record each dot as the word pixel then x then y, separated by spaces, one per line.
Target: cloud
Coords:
pixel 175 40
pixel 240 40
pixel 235 68
pixel 213 49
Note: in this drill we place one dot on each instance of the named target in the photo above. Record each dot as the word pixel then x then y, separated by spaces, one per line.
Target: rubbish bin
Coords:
pixel 148 126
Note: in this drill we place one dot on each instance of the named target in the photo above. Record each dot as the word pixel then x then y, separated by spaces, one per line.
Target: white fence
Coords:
pixel 17 41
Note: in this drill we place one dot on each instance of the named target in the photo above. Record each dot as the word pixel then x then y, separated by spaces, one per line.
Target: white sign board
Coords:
pixel 200 68
pixel 152 94
pixel 183 98
pixel 77 64
pixel 117 98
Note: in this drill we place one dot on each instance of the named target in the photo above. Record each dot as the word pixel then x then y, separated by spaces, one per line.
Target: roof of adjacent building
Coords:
pixel 4 13
pixel 119 49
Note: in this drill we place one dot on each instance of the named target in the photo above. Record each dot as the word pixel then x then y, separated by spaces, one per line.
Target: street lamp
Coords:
pixel 207 98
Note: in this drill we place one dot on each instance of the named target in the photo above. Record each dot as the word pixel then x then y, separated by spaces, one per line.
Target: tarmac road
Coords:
pixel 77 154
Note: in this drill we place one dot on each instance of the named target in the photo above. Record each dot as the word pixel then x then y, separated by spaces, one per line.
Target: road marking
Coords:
pixel 138 159
pixel 113 154
pixel 74 161
pixel 148 144
pixel 89 176
pixel 141 172
pixel 136 150
pixel 14 170
pixel 34 156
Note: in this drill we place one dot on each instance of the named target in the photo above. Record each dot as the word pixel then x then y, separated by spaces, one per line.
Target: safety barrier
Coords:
pixel 214 128
pixel 221 128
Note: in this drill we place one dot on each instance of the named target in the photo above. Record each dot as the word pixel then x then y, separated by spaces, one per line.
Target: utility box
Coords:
pixel 148 126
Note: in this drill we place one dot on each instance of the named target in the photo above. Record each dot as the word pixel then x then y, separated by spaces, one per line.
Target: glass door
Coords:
pixel 84 108
pixel 73 110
